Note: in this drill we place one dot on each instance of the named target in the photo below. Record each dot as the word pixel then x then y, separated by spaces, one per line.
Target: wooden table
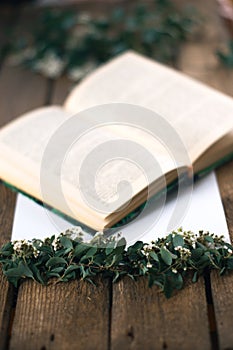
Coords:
pixel 125 315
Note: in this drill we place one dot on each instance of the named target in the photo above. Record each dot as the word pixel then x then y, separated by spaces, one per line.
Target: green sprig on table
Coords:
pixel 226 57
pixel 165 262
pixel 74 43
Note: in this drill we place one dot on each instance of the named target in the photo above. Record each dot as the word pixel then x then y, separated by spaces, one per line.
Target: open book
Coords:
pixel 199 115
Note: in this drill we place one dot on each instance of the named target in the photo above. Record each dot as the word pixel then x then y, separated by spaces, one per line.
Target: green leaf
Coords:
pixel 113 259
pixel 222 271
pixel 46 249
pixel 121 244
pixel 178 241
pixel 37 274
pixel 209 239
pixel 58 270
pixel 80 249
pixel 71 268
pixel 56 261
pixel 134 248
pixel 154 256
pixel 116 277
pixel 168 287
pixel 89 254
pixel 110 247
pixel 22 270
pixel 195 277
pixel 7 249
pixel 230 263
pixel 197 253
pixel 177 280
pixel 66 242
pixel 166 256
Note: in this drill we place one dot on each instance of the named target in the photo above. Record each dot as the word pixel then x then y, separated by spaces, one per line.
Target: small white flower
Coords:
pixel 148 247
pixel 84 18
pixel 36 253
pixel 78 73
pixel 50 65
pixel 174 270
pixel 55 244
pixel 98 234
pixel 17 246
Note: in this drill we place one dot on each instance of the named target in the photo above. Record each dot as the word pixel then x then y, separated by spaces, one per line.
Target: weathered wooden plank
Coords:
pixel 198 59
pixel 20 91
pixel 142 318
pixel 153 323
pixel 222 286
pixel 14 91
pixel 15 99
pixel 61 316
pixel 8 18
pixel 65 316
pixel 7 205
pixel 62 88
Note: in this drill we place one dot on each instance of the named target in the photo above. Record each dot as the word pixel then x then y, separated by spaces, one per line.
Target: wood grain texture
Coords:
pixel 199 60
pixel 65 316
pixel 20 91
pixel 62 316
pixel 62 88
pixel 222 287
pixel 142 318
pixel 198 56
pixel 7 205
pixel 8 17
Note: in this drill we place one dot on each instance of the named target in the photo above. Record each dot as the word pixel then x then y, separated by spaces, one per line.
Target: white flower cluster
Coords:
pixel 100 238
pixel 188 236
pixel 185 253
pixel 228 249
pixel 147 248
pixel 50 65
pixel 25 248
pixel 56 244
pixel 74 233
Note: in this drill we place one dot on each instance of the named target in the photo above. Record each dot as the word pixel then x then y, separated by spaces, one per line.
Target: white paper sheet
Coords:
pixel 204 212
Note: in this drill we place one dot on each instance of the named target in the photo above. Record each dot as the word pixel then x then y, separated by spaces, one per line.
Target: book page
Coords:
pixel 25 143
pixel 199 114
pixel 29 134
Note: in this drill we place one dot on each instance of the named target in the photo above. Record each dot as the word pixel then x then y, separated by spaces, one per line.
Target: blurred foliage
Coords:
pixel 75 43
pixel 226 58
